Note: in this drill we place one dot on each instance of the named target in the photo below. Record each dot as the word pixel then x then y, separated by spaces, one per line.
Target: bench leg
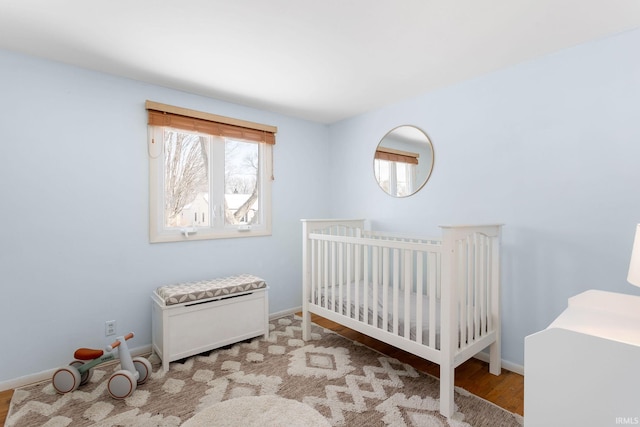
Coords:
pixel 306 325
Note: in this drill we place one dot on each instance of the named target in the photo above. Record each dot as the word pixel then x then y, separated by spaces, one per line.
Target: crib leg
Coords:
pixel 306 325
pixel 447 404
pixel 495 359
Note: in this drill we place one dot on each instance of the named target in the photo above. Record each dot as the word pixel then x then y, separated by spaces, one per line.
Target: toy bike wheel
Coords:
pixel 86 376
pixel 143 366
pixel 121 384
pixel 66 379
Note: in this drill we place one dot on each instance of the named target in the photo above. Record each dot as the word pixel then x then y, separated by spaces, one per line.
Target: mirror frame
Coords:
pixel 408 155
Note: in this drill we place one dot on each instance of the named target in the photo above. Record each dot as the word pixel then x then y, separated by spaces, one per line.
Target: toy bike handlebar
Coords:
pixel 116 343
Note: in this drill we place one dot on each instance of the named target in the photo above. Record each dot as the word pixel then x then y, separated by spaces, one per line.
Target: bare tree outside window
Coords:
pixel 186 175
pixel 241 182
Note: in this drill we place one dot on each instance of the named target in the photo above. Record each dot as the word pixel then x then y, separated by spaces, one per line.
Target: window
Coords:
pixel 210 176
pixel 395 171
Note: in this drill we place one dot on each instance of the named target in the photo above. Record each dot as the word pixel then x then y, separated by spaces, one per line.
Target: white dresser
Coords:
pixel 584 369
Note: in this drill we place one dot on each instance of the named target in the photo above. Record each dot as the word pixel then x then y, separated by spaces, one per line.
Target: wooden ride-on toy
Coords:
pixel 122 383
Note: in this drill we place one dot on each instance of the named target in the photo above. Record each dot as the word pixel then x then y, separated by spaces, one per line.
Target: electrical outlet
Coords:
pixel 109 328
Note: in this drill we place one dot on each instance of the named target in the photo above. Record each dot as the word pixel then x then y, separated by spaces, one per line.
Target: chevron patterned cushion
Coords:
pixel 204 289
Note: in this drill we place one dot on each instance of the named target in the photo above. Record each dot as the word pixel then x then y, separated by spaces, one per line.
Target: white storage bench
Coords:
pixel 194 317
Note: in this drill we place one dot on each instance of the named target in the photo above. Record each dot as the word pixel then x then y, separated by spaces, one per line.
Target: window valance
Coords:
pixel 212 124
pixel 392 155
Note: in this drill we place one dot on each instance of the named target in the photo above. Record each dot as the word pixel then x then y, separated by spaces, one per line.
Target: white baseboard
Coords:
pixel 518 369
pixel 46 375
pixel 26 380
pixel 283 313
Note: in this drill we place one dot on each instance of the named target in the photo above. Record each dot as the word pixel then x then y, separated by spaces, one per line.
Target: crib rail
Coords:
pixel 383 235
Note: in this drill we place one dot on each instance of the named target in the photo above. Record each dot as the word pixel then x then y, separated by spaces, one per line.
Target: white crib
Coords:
pixel 437 298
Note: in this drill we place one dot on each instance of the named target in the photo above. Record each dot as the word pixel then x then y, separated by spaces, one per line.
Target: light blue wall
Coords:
pixel 74 247
pixel 550 148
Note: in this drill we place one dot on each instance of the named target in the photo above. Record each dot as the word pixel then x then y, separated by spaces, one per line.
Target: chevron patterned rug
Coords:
pixel 346 382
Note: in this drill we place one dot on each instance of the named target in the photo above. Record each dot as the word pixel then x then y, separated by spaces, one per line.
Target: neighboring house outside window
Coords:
pixel 210 176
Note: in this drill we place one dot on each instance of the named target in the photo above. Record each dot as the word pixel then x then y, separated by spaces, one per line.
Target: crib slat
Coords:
pixel 356 279
pixel 396 289
pixel 348 279
pixel 419 296
pixel 332 251
pixel 482 247
pixel 366 268
pixel 490 279
pixel 471 274
pixel 464 261
pixel 460 289
pixel 470 285
pixel 312 272
pixel 340 277
pixel 375 282
pixel 485 285
pixel 318 246
pixel 326 274
pixel 315 262
pixel 433 283
pixel 408 289
pixel 438 271
pixel 476 287
pixel 483 290
pixel 385 289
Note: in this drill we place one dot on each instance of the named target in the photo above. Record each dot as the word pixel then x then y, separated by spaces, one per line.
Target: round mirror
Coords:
pixel 403 161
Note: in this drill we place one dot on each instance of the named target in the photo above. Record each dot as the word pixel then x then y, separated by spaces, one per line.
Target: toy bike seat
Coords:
pixel 87 354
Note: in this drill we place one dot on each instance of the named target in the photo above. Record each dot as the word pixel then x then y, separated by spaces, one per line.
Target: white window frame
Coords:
pixel 394 171
pixel 217 228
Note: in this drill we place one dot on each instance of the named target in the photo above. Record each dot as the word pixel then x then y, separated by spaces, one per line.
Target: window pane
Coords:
pixel 241 189
pixel 395 178
pixel 382 173
pixel 186 179
pixel 406 178
pixel 402 179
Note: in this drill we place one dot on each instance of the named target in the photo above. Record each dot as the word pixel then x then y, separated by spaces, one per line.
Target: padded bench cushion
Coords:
pixel 193 291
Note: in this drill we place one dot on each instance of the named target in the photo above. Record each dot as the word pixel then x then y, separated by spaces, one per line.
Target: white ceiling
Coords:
pixel 318 60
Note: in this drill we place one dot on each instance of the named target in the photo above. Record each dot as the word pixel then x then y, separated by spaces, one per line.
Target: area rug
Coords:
pixel 346 382
pixel 258 411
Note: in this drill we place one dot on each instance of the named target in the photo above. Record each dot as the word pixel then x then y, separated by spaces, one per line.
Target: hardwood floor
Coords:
pixel 5 400
pixel 505 390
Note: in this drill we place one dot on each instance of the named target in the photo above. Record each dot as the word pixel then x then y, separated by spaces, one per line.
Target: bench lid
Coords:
pixel 204 289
